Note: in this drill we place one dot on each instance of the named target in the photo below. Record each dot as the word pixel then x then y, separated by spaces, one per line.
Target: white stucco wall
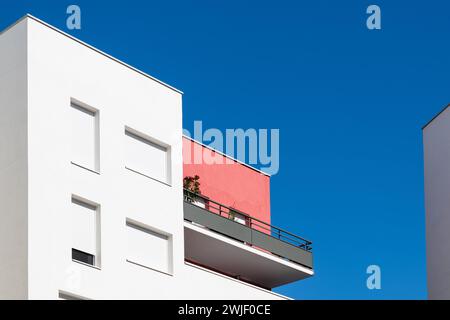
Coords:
pixel 436 140
pixel 61 68
pixel 13 163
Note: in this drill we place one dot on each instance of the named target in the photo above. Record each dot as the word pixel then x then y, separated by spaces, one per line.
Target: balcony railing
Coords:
pixel 254 232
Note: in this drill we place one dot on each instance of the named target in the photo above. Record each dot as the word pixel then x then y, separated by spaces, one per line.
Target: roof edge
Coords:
pixel 29 16
pixel 437 115
pixel 12 25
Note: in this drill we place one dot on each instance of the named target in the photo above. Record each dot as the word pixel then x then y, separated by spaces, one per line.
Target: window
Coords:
pixel 83 257
pixel 85 224
pixel 149 248
pixel 84 122
pixel 147 157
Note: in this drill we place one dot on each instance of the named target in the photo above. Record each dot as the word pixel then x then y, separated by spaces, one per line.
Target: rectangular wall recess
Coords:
pixel 85 225
pixel 149 248
pixel 84 124
pixel 147 156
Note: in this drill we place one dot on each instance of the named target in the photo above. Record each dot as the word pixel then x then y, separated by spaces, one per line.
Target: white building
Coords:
pixel 91 193
pixel 436 141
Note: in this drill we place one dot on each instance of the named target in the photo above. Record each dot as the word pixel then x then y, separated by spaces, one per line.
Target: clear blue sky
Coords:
pixel 349 103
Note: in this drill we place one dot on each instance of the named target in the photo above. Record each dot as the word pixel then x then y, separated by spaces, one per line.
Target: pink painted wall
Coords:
pixel 234 185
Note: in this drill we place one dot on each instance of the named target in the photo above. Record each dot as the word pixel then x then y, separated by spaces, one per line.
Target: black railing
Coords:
pixel 245 219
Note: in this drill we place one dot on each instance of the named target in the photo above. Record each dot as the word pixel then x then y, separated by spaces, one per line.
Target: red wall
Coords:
pixel 234 185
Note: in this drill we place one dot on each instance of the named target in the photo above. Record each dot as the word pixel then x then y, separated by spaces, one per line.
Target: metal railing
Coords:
pixel 245 219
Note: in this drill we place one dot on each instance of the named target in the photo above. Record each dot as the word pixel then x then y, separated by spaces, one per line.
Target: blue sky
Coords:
pixel 349 103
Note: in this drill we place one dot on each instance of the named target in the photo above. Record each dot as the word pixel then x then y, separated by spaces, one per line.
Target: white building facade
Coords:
pixel 91 194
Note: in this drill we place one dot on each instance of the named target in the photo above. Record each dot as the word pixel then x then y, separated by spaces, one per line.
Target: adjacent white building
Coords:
pixel 91 194
pixel 436 141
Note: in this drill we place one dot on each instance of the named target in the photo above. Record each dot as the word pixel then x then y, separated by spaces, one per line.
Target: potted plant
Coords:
pixel 236 216
pixel 231 214
pixel 191 186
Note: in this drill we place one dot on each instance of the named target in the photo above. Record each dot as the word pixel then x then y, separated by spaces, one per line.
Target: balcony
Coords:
pixel 233 243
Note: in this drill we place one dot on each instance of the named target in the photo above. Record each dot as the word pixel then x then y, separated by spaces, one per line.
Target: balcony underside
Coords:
pixel 216 243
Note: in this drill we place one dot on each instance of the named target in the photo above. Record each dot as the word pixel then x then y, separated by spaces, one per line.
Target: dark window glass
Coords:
pixel 83 257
